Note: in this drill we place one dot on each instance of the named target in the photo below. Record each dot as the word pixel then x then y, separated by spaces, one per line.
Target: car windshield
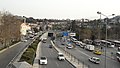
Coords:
pixel 43 58
pixel 61 55
pixel 97 59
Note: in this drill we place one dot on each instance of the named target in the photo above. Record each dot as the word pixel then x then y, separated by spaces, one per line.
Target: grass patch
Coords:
pixel 30 53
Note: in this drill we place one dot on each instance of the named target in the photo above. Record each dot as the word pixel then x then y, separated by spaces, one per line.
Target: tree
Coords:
pixel 10 28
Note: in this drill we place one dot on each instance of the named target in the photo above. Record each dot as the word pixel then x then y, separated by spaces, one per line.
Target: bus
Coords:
pixel 107 43
pixel 118 56
pixel 117 43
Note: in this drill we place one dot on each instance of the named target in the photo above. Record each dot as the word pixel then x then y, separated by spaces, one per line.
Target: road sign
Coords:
pixel 65 33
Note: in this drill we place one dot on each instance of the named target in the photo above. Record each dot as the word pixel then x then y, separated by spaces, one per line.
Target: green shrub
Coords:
pixel 30 53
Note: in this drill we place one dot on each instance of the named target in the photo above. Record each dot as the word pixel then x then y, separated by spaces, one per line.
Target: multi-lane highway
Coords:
pixel 83 55
pixel 10 53
pixel 51 55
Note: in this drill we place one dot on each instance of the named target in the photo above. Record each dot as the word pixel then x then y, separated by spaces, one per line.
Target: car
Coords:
pixel 44 40
pixel 118 48
pixel 50 46
pixel 97 52
pixel 94 60
pixel 69 47
pixel 61 56
pixel 43 60
pixel 24 40
pixel 62 44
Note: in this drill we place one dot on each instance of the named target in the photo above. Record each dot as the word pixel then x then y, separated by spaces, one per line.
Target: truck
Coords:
pixel 90 47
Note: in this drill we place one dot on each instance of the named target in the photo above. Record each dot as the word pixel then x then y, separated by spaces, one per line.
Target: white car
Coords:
pixel 69 47
pixel 61 56
pixel 24 40
pixel 43 60
pixel 94 60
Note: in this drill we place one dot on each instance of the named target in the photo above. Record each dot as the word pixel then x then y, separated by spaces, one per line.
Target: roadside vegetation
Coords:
pixel 9 29
pixel 30 53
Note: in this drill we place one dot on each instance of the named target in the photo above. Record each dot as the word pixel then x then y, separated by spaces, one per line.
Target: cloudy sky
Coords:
pixel 61 9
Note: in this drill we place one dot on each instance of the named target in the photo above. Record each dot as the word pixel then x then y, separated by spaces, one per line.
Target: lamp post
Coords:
pixel 105 33
pixel 99 26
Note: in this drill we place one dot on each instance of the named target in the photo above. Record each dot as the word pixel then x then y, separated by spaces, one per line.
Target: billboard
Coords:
pixel 72 34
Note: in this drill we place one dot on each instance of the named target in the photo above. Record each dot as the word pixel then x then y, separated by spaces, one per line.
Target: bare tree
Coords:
pixel 10 29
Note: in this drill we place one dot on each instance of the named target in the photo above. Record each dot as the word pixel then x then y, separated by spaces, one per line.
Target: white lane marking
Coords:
pixel 50 53
pixel 57 64
pixel 83 53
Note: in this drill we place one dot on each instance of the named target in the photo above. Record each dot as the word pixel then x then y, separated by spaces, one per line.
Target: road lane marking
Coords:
pixel 57 64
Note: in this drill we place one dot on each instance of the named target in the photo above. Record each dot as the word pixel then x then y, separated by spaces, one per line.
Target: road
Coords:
pixel 83 55
pixel 7 55
pixel 51 55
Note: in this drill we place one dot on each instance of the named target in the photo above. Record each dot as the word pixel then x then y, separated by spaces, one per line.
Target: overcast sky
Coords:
pixel 61 9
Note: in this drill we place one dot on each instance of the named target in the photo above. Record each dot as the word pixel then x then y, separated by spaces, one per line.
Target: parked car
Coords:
pixel 61 56
pixel 94 60
pixel 43 60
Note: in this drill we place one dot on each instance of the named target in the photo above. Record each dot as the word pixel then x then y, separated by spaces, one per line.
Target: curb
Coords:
pixel 36 60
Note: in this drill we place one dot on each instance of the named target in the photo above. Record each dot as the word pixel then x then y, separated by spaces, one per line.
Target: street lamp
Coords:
pixel 106 32
pixel 99 25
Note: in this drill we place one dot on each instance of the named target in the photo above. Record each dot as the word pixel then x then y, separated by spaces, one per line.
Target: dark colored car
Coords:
pixel 50 46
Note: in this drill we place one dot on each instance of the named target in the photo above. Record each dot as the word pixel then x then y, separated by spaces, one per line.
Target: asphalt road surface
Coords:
pixel 83 55
pixel 51 55
pixel 10 53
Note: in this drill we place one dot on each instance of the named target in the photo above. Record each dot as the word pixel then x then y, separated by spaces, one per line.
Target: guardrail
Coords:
pixel 71 58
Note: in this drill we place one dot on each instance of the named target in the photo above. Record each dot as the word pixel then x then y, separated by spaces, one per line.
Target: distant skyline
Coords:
pixel 61 9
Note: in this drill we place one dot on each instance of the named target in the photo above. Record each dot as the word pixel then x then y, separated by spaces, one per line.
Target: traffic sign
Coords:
pixel 65 33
